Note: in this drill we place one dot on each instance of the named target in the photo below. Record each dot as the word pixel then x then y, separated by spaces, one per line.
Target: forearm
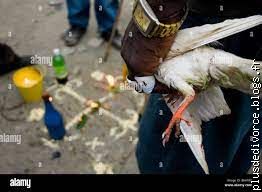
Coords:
pixel 143 55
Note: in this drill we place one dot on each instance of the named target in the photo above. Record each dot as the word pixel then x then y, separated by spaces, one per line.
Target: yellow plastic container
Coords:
pixel 29 81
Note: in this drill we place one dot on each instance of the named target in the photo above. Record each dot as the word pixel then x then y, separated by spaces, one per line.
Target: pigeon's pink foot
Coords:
pixel 176 119
pixel 174 122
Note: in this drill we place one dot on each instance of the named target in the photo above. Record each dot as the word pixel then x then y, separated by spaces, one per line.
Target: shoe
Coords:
pixel 73 35
pixel 117 39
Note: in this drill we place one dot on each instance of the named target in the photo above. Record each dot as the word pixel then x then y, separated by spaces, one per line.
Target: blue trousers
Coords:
pixel 226 139
pixel 105 10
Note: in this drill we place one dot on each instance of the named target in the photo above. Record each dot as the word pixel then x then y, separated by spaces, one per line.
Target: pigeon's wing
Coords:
pixel 191 38
pixel 208 105
pixel 230 71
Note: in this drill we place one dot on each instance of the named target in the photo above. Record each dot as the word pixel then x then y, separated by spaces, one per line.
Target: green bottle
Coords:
pixel 59 66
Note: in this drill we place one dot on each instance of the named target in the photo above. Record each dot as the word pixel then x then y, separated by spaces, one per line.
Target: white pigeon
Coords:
pixel 198 71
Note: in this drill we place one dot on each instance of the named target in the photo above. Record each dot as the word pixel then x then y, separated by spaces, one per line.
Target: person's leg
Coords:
pixel 78 16
pixel 149 151
pixel 78 12
pixel 106 12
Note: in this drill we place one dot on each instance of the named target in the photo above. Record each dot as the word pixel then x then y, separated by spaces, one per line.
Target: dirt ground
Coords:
pixel 106 144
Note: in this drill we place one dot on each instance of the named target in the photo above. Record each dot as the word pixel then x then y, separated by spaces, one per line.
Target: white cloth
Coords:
pixel 144 84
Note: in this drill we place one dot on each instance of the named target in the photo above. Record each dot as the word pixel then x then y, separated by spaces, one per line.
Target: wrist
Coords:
pixel 163 89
